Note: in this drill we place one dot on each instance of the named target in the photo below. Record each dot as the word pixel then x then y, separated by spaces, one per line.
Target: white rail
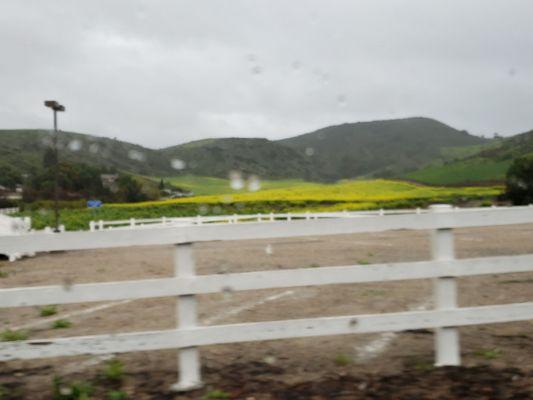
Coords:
pixel 187 336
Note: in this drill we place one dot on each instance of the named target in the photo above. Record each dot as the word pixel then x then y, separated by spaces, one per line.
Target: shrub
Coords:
pixel 216 394
pixel 11 336
pixel 47 311
pixel 519 181
pixel 71 391
pixel 117 395
pixel 342 360
pixel 114 370
pixel 61 324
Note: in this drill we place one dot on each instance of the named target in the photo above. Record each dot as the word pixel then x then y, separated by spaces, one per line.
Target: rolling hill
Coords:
pixel 481 165
pixel 389 148
pixel 379 148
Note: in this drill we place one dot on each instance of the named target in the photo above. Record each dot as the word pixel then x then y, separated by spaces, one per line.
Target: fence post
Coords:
pixel 271 216
pixel 92 227
pixel 101 225
pixel 445 291
pixel 188 357
pixel 132 222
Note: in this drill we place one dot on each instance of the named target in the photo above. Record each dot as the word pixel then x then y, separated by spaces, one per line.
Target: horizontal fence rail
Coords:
pixel 204 284
pixel 185 285
pixel 278 229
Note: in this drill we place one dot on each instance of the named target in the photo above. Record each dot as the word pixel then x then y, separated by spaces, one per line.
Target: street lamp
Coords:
pixel 55 106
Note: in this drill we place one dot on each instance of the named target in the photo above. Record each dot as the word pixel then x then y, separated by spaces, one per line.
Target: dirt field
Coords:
pixel 498 358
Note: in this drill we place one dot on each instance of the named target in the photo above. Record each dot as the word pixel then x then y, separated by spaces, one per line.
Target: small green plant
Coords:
pixel 61 324
pixel 363 262
pixel 3 274
pixel 314 265
pixel 116 395
pixel 47 311
pixel 216 394
pixel 114 370
pixel 4 392
pixel 488 354
pixel 9 335
pixel 342 360
pixel 423 365
pixel 370 254
pixel 71 390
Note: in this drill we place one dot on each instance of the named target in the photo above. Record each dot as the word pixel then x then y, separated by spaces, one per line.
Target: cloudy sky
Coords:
pixel 163 72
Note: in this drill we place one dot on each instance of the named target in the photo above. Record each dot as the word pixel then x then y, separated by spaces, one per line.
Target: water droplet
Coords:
pixel 251 57
pixel 254 184
pixel 136 155
pixel 341 100
pixel 296 65
pixel 93 148
pixel 269 250
pixel 75 145
pixel 203 209
pixel 65 391
pixel 309 151
pixel 239 206
pixel 511 72
pixel 257 70
pixel 228 292
pixel 270 360
pixel 227 198
pixel 178 164
pixel 217 210
pixel 236 181
pixel 67 283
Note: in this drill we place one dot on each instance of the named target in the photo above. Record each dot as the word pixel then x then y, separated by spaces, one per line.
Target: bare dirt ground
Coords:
pixel 497 359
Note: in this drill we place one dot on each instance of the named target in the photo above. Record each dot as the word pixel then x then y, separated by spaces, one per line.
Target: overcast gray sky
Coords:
pixel 162 72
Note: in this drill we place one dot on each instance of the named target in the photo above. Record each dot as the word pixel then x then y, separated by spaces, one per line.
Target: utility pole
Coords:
pixel 55 106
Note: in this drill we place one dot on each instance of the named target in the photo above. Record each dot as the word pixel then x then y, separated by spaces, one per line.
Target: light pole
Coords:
pixel 55 106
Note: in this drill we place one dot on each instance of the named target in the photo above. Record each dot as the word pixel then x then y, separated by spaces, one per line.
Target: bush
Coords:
pixel 47 311
pixel 519 181
pixel 11 336
pixel 71 391
pixel 61 324
pixel 114 370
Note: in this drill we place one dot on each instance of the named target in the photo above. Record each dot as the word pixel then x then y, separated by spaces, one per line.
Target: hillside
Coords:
pixel 24 149
pixel 487 164
pixel 262 157
pixel 365 149
pixel 379 148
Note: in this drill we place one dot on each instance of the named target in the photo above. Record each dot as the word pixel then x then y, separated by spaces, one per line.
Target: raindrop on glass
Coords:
pixel 228 292
pixel 178 164
pixel 296 65
pixel 254 184
pixel 271 360
pixel 93 148
pixel 251 57
pixel 203 209
pixel 227 198
pixel 236 181
pixel 217 210
pixel 136 155
pixel 269 250
pixel 75 145
pixel 309 151
pixel 256 70
pixel 341 100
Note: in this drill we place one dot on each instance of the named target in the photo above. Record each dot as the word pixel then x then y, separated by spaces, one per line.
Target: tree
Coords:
pixel 519 181
pixel 129 189
pixel 161 184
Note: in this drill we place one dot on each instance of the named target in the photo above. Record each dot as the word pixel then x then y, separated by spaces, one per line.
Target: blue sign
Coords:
pixel 94 203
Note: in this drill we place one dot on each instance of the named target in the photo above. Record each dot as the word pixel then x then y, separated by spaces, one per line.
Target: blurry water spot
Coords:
pixel 269 250
pixel 136 155
pixel 75 145
pixel 93 148
pixel 251 57
pixel 321 136
pixel 309 151
pixel 203 209
pixel 236 181
pixel 511 72
pixel 227 198
pixel 239 206
pixel 270 359
pixel 341 100
pixel 178 164
pixel 256 70
pixel 43 211
pixel 217 210
pixel 296 65
pixel 67 283
pixel 228 292
pixel 47 141
pixel 254 184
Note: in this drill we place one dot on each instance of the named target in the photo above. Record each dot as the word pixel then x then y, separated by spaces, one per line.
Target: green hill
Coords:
pixel 24 150
pixel 486 164
pixel 379 148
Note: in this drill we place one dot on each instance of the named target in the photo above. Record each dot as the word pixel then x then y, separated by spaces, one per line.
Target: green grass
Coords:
pixel 47 311
pixel 342 360
pixel 288 196
pixel 61 324
pixel 116 395
pixel 205 186
pixel 488 354
pixel 216 394
pixel 9 335
pixel 71 390
pixel 114 370
pixel 471 171
pixel 3 274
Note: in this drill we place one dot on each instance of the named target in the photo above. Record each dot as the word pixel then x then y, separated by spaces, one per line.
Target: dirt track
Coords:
pixel 285 366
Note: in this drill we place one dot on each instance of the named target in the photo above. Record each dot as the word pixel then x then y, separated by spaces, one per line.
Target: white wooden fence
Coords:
pixel 9 211
pixel 188 336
